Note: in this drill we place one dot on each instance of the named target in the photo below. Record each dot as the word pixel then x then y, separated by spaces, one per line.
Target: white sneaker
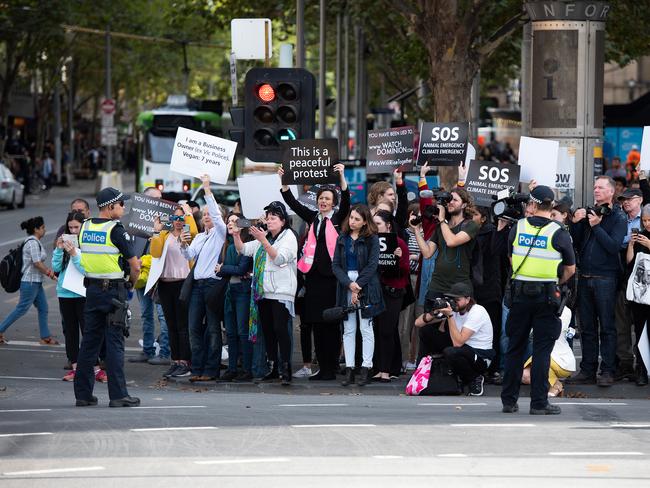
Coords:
pixel 410 366
pixel 303 372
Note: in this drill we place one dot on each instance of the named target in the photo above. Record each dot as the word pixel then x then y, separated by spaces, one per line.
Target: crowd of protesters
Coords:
pixel 256 277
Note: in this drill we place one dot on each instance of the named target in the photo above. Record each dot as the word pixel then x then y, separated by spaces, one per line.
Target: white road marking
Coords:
pixel 492 425
pixel 171 406
pixel 21 239
pixel 25 434
pixel 321 426
pixel 155 429
pixel 52 471
pixel 452 455
pixel 313 405
pixel 622 404
pixel 22 349
pixel 44 347
pixel 244 461
pixel 597 453
pixel 629 426
pixel 452 404
pixel 27 410
pixel 388 457
pixel 28 378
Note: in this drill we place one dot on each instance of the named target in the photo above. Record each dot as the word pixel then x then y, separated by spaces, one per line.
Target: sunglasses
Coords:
pixel 120 203
pixel 177 218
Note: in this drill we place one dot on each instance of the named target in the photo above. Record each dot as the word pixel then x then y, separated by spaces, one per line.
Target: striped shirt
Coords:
pixel 33 252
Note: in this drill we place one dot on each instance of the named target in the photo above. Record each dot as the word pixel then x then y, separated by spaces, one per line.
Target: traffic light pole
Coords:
pixel 300 33
pixel 109 148
pixel 322 89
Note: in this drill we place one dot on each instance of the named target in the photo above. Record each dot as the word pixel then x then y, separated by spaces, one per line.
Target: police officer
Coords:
pixel 540 251
pixel 106 253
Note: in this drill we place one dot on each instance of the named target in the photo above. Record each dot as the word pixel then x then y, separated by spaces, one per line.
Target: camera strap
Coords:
pixel 530 248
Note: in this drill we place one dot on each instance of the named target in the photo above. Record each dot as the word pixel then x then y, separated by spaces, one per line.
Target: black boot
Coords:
pixel 641 375
pixel 273 373
pixel 349 377
pixel 286 374
pixel 363 377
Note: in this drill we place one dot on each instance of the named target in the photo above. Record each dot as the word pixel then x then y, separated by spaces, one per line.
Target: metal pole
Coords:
pixel 345 123
pixel 475 107
pixel 300 33
pixel 109 149
pixel 57 130
pixel 358 94
pixel 71 148
pixel 337 73
pixel 322 88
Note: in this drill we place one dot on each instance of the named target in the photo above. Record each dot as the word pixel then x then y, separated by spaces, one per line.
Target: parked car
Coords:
pixel 12 192
pixel 224 194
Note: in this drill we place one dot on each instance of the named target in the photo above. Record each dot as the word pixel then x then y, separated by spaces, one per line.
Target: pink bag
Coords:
pixel 420 379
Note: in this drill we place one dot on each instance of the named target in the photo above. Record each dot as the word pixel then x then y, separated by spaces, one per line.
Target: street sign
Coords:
pixel 248 38
pixel 108 120
pixel 109 136
pixel 108 106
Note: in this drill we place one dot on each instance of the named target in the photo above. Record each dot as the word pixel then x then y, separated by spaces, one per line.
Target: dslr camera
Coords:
pixel 438 303
pixel 600 210
pixel 512 208
pixel 442 198
pixel 246 223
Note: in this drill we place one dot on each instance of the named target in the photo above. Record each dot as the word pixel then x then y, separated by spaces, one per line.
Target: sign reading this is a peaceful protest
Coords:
pixel 443 144
pixel 144 211
pixel 196 154
pixel 389 149
pixel 309 161
pixel 487 178
pixel 388 260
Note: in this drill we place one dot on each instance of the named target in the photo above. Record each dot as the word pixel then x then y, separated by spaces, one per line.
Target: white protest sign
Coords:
pixel 157 265
pixel 645 150
pixel 538 160
pixel 471 154
pixel 73 280
pixel 256 192
pixel 644 347
pixel 196 154
pixel 566 163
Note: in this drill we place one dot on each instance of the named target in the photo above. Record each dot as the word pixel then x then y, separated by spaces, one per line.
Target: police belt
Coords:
pixel 533 288
pixel 105 284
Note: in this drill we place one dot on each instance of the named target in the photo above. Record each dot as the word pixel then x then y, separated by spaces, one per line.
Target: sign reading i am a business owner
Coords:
pixel 388 260
pixel 443 144
pixel 389 149
pixel 144 211
pixel 309 161
pixel 196 154
pixel 487 178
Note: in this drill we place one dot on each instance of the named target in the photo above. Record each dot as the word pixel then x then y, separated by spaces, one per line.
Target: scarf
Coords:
pixel 259 263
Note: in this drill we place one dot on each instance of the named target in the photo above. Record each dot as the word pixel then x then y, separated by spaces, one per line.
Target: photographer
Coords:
pixel 538 247
pixel 598 235
pixel 461 330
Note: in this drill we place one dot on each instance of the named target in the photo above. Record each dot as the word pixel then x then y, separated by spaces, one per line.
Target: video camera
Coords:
pixel 600 210
pixel 511 208
pixel 442 198
pixel 336 314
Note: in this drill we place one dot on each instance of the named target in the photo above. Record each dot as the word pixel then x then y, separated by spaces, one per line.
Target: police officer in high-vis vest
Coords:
pixel 107 256
pixel 542 258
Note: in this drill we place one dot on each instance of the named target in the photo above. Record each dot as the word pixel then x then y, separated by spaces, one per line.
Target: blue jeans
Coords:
pixel 236 320
pixel 30 293
pixel 205 335
pixel 596 305
pixel 149 326
pixel 260 365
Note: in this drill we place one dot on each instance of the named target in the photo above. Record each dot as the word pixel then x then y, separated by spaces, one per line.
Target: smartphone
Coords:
pixel 71 238
pixel 244 223
pixel 635 230
pixel 186 227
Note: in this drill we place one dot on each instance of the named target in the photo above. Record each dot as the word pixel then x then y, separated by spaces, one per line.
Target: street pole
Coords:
pixel 57 130
pixel 322 88
pixel 109 148
pixel 475 107
pixel 337 73
pixel 300 33
pixel 360 117
pixel 345 123
pixel 71 148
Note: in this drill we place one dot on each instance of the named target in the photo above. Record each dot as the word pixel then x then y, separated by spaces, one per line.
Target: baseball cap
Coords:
pixel 277 208
pixel 541 194
pixel 630 193
pixel 460 290
pixel 109 195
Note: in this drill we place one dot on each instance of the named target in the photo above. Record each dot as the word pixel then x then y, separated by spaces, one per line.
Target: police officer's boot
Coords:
pixel 349 377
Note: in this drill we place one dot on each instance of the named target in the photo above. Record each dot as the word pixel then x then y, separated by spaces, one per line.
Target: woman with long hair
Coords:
pixel 31 283
pixel 355 264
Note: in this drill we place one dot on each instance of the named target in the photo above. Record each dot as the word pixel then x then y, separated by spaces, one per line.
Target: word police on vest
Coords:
pixel 529 240
pixel 93 237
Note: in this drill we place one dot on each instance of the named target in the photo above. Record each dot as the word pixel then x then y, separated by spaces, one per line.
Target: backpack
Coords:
pixel 433 377
pixel 11 269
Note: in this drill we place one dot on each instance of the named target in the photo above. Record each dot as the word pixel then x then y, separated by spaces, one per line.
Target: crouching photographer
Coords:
pixel 461 330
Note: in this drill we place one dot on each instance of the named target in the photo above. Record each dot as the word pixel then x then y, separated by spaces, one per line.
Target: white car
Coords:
pixel 12 192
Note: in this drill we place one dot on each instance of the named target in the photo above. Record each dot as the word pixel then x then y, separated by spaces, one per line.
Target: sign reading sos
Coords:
pixel 445 134
pixel 500 175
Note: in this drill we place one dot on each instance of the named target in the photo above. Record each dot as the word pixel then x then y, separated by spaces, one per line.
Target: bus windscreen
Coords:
pixel 159 149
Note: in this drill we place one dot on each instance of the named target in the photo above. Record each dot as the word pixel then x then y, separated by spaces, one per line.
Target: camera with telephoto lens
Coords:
pixel 430 211
pixel 336 314
pixel 432 306
pixel 512 208
pixel 600 210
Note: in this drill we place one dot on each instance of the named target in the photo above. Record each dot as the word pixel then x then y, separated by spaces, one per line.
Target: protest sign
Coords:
pixel 538 160
pixel 389 149
pixel 309 161
pixel 196 153
pixel 73 280
pixel 487 178
pixel 157 265
pixel 388 261
pixel 443 144
pixel 645 150
pixel 565 174
pixel 308 199
pixel 144 211
pixel 256 192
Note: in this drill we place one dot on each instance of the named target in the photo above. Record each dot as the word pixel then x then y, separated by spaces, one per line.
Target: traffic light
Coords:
pixel 279 106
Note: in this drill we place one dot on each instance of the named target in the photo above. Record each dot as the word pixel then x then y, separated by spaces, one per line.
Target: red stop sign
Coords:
pixel 108 106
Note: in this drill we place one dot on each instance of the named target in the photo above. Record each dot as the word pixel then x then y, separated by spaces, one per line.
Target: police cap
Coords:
pixel 542 194
pixel 109 195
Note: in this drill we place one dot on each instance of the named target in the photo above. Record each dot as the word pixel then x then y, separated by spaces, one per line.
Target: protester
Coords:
pixel 320 282
pixel 31 283
pixel 174 272
pixel 274 285
pixel 355 265
pixel 617 170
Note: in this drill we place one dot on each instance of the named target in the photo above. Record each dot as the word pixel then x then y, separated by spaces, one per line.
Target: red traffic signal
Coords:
pixel 266 93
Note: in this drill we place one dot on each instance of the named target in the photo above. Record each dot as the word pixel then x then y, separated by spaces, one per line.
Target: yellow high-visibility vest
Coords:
pixel 543 259
pixel 99 256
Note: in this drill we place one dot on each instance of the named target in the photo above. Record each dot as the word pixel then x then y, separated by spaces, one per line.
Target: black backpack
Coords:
pixel 11 269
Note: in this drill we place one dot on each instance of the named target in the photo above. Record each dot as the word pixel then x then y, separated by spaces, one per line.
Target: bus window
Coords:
pixel 159 149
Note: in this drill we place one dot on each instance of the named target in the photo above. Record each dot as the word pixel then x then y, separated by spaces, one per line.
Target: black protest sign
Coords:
pixel 443 144
pixel 487 178
pixel 309 161
pixel 388 260
pixel 389 149
pixel 144 211
pixel 309 199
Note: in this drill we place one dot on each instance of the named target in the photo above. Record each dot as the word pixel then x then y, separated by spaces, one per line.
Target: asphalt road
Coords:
pixel 307 434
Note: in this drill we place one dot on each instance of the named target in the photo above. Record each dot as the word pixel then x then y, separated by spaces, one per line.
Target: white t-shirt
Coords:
pixel 478 320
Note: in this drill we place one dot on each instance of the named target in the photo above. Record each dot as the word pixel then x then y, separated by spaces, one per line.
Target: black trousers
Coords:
pixel 177 318
pixel 433 340
pixel 546 326
pixel 495 311
pixel 465 363
pixel 327 341
pixel 305 341
pixel 386 333
pixel 274 318
pixel 72 314
pixel 640 315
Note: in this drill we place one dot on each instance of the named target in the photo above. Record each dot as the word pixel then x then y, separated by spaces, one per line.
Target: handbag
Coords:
pixel 216 296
